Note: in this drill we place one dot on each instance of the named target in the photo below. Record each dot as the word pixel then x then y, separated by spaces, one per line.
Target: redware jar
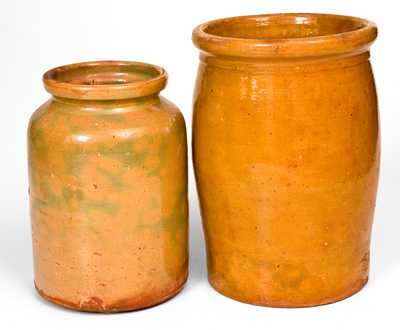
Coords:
pixel 108 188
pixel 286 155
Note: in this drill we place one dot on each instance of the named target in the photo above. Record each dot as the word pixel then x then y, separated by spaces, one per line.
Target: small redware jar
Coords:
pixel 108 188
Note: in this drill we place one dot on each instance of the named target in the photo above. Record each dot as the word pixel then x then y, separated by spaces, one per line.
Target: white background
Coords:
pixel 38 35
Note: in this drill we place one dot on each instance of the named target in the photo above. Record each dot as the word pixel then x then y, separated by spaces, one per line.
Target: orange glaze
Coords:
pixel 286 155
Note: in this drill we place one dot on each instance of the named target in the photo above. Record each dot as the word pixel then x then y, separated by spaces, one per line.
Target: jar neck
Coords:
pixel 309 64
pixel 105 106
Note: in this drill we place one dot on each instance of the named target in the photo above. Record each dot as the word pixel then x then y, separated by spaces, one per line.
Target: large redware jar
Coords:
pixel 108 188
pixel 286 155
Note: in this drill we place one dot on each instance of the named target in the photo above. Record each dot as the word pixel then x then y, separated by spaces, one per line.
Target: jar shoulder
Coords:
pixel 72 122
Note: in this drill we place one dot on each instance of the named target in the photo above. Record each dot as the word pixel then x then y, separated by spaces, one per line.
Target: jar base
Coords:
pixel 353 289
pixel 96 305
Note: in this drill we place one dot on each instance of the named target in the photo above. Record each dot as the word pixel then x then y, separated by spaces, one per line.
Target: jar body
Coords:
pixel 286 157
pixel 108 192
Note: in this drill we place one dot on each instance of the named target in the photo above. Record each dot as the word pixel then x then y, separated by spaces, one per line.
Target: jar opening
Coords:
pixel 105 80
pixel 285 35
pixel 283 27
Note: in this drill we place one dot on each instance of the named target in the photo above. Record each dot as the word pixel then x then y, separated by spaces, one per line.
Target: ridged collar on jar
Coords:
pixel 293 35
pixel 105 80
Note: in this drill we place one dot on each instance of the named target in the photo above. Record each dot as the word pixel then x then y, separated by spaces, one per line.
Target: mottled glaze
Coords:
pixel 108 188
pixel 286 154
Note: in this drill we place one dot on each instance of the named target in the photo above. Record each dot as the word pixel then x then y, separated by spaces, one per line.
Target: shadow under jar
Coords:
pixel 286 155
pixel 108 188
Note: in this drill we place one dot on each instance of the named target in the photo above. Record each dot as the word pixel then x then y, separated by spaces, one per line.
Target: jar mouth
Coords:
pixel 293 35
pixel 105 80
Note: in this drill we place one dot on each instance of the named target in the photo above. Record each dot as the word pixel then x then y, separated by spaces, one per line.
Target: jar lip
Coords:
pixel 105 80
pixel 287 35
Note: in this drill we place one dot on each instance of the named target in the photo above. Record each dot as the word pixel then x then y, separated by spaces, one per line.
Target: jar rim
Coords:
pixel 286 35
pixel 105 80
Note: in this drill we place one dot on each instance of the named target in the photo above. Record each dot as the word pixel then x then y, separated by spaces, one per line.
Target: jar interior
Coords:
pixel 105 74
pixel 284 26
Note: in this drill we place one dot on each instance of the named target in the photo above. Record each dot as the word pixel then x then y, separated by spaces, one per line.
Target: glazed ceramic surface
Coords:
pixel 108 188
pixel 286 155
